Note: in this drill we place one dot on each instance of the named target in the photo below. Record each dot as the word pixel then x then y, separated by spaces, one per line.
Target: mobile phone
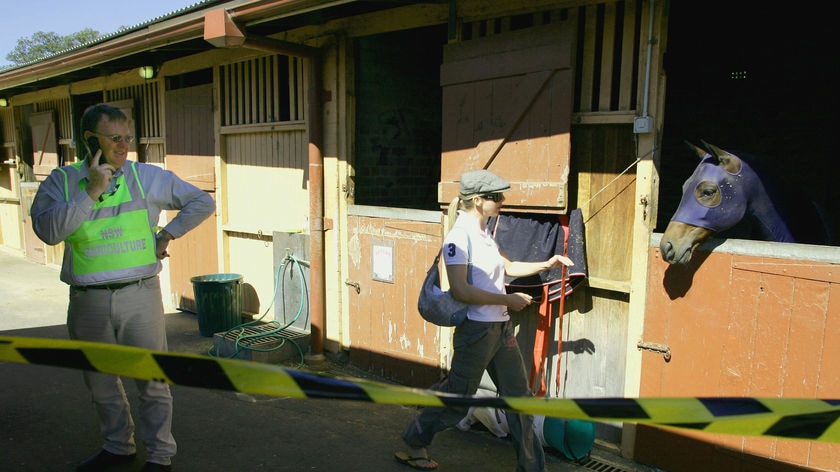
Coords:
pixel 93 146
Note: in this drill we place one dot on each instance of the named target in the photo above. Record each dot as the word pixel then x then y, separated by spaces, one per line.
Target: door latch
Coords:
pixel 355 285
pixel 660 348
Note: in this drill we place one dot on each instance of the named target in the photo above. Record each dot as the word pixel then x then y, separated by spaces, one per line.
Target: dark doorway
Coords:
pixel 398 116
pixel 753 78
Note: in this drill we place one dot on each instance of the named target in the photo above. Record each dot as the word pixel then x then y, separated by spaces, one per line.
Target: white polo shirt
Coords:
pixel 488 267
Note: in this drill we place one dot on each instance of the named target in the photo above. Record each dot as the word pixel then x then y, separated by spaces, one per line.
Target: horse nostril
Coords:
pixel 668 252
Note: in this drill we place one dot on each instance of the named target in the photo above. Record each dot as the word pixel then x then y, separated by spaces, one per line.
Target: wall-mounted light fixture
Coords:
pixel 147 72
pixel 4 102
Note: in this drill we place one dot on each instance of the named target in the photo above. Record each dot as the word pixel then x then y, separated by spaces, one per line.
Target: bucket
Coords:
pixel 218 300
pixel 573 439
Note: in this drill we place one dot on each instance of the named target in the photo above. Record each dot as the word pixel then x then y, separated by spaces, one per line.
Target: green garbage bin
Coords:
pixel 218 300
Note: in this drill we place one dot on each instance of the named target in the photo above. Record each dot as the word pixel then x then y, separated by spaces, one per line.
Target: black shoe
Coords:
pixel 103 460
pixel 155 467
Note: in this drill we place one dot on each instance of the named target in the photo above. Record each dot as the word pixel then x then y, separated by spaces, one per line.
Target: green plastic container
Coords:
pixel 218 300
pixel 572 438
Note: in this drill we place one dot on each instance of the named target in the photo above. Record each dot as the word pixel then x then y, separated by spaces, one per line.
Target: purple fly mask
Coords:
pixel 721 191
pixel 739 193
pixel 725 211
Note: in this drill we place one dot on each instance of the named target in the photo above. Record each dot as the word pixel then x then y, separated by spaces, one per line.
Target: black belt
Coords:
pixel 113 286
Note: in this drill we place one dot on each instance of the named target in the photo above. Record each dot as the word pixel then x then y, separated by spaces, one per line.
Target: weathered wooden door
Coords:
pixel 507 107
pixel 44 159
pixel 44 144
pixel 748 319
pixel 190 153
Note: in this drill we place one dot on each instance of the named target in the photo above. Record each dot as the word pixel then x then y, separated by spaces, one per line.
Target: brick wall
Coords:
pixel 398 116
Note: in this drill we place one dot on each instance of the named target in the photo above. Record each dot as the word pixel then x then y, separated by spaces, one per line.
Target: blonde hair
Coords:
pixel 451 214
pixel 461 202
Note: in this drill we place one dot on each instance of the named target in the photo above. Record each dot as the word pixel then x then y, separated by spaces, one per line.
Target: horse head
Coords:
pixel 720 192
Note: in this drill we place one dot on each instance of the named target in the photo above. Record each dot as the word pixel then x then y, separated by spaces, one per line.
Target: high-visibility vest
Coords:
pixel 118 243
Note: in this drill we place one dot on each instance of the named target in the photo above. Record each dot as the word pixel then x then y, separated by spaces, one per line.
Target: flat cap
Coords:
pixel 482 181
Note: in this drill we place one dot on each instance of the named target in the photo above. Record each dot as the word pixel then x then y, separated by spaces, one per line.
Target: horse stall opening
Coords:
pixel 745 318
pixel 751 80
pixel 741 319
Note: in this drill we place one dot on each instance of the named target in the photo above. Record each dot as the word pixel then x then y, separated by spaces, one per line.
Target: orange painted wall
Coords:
pixel 741 325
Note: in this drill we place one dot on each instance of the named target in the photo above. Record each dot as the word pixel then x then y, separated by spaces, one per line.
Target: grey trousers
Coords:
pixel 479 346
pixel 130 316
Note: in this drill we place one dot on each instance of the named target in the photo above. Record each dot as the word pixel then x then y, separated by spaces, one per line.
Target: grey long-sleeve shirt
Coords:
pixel 55 217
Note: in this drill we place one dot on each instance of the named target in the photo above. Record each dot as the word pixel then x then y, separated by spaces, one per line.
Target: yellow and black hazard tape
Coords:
pixel 792 418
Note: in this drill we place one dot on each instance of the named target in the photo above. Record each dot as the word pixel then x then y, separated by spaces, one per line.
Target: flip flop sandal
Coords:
pixel 404 458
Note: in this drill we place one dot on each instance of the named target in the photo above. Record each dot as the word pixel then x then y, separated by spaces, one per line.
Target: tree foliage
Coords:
pixel 42 44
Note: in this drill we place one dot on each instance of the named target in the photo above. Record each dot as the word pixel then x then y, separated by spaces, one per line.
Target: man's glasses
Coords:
pixel 117 139
pixel 496 197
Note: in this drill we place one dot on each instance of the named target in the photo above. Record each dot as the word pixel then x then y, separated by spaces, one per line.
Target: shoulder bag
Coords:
pixel 439 307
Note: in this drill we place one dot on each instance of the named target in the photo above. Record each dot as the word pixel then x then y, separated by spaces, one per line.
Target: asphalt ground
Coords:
pixel 48 423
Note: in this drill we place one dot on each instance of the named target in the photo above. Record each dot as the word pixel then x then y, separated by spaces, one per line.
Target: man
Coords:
pixel 106 210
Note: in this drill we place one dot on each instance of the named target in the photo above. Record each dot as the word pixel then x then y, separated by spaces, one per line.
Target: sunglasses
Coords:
pixel 116 138
pixel 496 197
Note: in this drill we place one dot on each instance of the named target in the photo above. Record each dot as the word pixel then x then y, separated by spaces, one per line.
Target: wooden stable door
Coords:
pixel 190 153
pixel 507 107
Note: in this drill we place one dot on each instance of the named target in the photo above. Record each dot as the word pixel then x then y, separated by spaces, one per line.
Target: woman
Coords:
pixel 485 341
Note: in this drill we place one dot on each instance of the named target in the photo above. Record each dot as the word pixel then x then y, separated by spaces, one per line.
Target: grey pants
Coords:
pixel 130 316
pixel 479 346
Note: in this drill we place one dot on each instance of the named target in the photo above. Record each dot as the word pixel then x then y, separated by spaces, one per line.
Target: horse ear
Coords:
pixel 699 151
pixel 711 149
pixel 730 162
pixel 715 151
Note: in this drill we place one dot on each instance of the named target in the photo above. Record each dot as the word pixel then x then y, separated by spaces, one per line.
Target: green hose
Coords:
pixel 245 342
